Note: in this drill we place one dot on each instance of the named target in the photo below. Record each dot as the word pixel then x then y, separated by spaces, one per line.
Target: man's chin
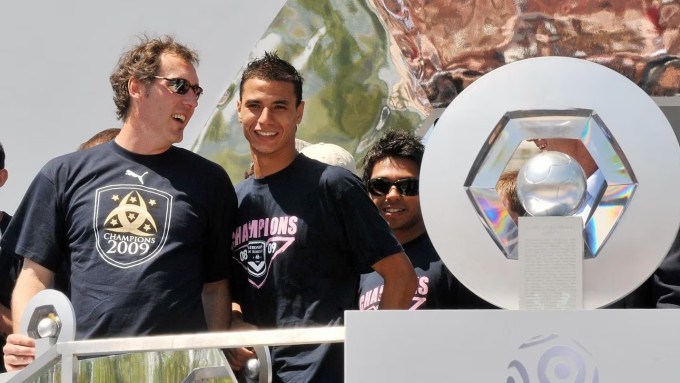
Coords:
pixel 177 138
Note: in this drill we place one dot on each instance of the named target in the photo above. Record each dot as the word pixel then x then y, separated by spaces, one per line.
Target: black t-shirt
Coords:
pixel 142 235
pixel 437 287
pixel 302 239
pixel 9 266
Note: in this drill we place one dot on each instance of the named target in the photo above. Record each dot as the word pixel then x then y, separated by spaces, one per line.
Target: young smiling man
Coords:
pixel 304 233
pixel 391 173
pixel 143 234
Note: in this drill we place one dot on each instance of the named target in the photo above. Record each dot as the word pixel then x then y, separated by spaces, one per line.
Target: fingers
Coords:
pixel 19 352
pixel 20 344
pixel 16 363
pixel 237 357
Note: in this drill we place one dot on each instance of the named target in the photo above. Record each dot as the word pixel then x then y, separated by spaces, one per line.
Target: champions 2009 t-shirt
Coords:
pixel 142 235
pixel 302 239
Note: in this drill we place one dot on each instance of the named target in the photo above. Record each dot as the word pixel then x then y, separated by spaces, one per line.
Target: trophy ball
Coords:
pixel 252 368
pixel 47 327
pixel 551 184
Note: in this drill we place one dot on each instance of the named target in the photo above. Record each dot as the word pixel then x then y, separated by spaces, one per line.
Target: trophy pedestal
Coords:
pixel 551 263
pixel 519 346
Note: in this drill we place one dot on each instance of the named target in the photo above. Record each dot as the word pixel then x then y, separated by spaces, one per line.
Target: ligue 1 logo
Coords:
pixel 552 359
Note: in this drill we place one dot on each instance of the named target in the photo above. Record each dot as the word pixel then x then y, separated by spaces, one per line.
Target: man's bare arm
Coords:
pixel 20 349
pixel 32 279
pixel 217 305
pixel 400 281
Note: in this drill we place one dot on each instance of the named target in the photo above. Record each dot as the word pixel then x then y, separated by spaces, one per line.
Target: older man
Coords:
pixel 140 221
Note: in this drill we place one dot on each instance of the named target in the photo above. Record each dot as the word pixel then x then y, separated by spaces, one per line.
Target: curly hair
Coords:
pixel 271 67
pixel 142 62
pixel 395 143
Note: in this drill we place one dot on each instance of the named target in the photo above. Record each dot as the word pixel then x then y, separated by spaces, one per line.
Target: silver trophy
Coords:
pixel 628 222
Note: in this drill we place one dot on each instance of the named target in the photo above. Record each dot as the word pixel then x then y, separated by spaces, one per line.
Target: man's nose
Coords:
pixel 393 193
pixel 265 115
pixel 190 98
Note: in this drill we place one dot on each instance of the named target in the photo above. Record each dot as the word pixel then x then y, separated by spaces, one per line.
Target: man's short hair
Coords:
pixel 142 62
pixel 271 67
pixel 2 157
pixel 395 143
pixel 105 135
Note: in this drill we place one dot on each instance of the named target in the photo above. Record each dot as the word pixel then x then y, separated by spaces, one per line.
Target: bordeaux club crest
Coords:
pixel 256 257
pixel 131 223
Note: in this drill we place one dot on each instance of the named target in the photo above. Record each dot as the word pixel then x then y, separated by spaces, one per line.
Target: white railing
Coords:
pixel 69 352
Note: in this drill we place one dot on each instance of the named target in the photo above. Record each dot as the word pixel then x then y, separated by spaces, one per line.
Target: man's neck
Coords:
pixel 133 140
pixel 406 236
pixel 267 164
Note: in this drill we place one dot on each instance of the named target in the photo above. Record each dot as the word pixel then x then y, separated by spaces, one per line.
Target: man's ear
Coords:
pixel 300 111
pixel 136 87
pixel 4 174
pixel 238 109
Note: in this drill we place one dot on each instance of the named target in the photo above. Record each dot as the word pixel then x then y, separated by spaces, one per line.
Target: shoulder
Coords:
pixel 75 161
pixel 203 172
pixel 245 185
pixel 331 180
pixel 338 179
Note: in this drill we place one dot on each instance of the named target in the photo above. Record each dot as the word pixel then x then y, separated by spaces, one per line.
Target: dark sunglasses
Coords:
pixel 181 86
pixel 381 186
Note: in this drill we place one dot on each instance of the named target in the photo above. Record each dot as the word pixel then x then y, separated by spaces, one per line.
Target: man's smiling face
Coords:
pixel 269 114
pixel 401 212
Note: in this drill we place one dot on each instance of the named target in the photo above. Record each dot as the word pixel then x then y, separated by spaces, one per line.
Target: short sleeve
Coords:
pixel 370 238
pixel 36 231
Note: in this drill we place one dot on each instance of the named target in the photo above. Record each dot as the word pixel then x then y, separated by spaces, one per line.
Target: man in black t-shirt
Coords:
pixel 305 232
pixel 140 221
pixel 391 173
pixel 10 265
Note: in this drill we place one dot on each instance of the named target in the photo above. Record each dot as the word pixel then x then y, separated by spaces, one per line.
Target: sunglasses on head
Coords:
pixel 181 86
pixel 381 186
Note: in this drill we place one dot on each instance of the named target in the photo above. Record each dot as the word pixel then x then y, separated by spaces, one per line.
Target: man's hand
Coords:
pixel 19 352
pixel 237 357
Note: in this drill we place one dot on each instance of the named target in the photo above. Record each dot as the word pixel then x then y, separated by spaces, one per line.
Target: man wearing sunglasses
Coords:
pixel 140 222
pixel 391 174
pixel 305 231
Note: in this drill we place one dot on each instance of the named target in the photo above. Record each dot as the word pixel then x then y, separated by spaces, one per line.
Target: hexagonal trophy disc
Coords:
pixel 632 161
